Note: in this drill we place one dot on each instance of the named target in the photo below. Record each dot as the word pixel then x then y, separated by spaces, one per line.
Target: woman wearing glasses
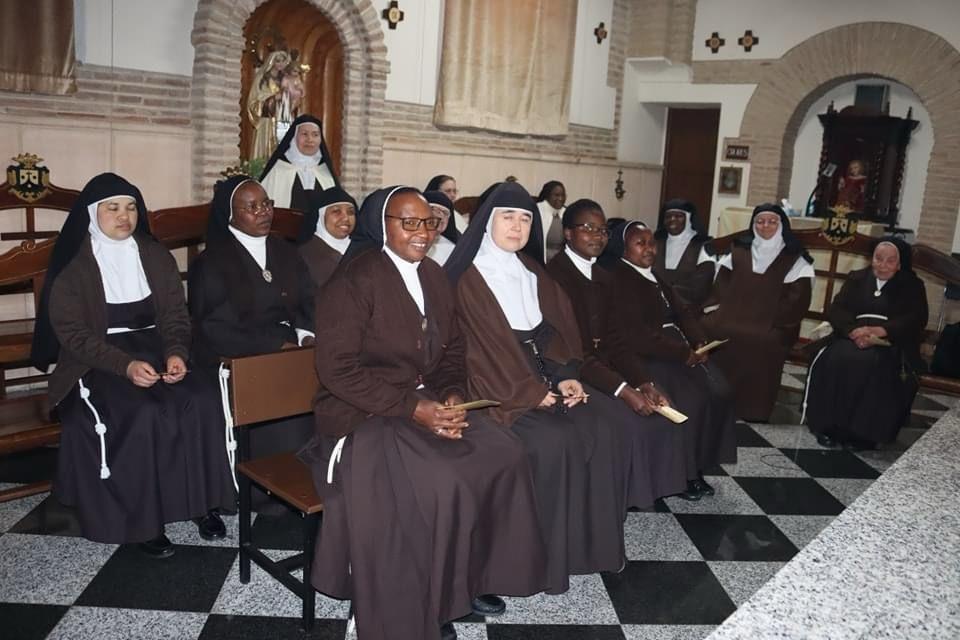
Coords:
pixel 250 293
pixel 426 508
pixel 523 349
pixel 762 290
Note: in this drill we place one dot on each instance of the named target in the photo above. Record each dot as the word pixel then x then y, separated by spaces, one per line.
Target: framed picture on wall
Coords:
pixel 730 179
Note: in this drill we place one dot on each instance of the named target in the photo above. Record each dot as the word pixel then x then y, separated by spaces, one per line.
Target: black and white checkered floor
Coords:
pixel 691 564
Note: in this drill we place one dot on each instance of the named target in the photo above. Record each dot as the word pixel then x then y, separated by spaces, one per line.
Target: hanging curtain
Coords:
pixel 36 47
pixel 506 65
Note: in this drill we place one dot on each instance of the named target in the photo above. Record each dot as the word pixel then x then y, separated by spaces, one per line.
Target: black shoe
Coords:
pixel 858 445
pixel 211 527
pixel 827 441
pixel 703 487
pixel 692 494
pixel 447 632
pixel 488 605
pixel 159 547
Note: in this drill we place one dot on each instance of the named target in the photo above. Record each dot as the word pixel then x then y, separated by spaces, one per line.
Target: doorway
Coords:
pixel 689 157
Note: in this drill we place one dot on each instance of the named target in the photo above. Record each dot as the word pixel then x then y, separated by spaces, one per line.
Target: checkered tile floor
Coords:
pixel 691 564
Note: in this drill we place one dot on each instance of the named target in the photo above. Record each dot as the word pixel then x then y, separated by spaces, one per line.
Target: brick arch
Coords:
pixel 218 43
pixel 919 59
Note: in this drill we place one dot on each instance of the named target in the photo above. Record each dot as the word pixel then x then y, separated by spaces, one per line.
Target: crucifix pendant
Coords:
pixel 267 275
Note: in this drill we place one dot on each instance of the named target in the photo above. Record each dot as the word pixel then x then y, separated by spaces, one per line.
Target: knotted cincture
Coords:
pixel 99 427
pixel 806 391
pixel 231 443
pixel 335 458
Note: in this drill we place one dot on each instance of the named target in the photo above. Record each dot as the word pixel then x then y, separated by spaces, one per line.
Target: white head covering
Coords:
pixel 338 245
pixel 256 246
pixel 677 244
pixel 514 287
pixel 121 270
pixel 304 163
pixel 646 272
pixel 409 271
pixel 763 251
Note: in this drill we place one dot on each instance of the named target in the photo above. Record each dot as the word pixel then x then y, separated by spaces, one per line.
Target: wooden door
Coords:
pixel 689 156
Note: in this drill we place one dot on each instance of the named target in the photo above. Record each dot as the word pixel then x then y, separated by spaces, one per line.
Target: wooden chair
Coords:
pixel 270 387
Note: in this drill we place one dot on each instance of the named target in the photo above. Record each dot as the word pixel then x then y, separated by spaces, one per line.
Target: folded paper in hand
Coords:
pixel 671 414
pixel 710 346
pixel 476 404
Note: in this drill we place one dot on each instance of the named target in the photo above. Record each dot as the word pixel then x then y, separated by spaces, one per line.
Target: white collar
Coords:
pixel 302 162
pixel 121 270
pixel 583 265
pixel 338 245
pixel 256 246
pixel 763 252
pixel 881 283
pixel 511 283
pixel 676 245
pixel 410 275
pixel 646 272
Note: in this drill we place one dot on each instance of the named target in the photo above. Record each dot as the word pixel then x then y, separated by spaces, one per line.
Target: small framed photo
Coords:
pixel 730 179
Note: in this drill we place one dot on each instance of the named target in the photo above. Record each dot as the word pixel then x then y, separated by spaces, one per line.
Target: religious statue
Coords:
pixel 852 187
pixel 275 100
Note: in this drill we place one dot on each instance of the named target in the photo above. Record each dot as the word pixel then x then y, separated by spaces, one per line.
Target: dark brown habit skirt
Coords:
pixel 415 526
pixel 702 394
pixel 578 474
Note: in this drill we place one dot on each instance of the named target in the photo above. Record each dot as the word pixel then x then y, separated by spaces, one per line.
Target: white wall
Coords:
pixel 783 24
pixel 413 49
pixel 136 34
pixel 592 102
pixel 806 154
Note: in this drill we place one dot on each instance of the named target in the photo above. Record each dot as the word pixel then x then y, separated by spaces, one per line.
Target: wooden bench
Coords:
pixel 833 262
pixel 263 388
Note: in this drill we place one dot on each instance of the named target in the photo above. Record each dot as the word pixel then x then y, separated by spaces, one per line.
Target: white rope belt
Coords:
pixel 224 375
pixel 874 316
pixel 335 458
pixel 668 325
pixel 806 391
pixel 99 427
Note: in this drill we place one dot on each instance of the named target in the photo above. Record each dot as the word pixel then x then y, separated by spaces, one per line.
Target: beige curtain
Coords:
pixel 506 65
pixel 36 46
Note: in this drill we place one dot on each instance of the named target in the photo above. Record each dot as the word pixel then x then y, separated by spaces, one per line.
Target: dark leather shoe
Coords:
pixel 827 441
pixel 703 487
pixel 447 632
pixel 858 445
pixel 211 527
pixel 692 494
pixel 159 547
pixel 489 605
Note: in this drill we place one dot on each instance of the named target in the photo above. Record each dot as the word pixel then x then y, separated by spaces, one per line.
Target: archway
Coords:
pixel 787 87
pixel 218 40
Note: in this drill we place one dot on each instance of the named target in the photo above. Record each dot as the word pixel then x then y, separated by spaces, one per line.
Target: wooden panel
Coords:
pixel 286 477
pixel 272 386
pixel 689 156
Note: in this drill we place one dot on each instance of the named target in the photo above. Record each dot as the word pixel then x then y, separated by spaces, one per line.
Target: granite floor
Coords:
pixel 690 564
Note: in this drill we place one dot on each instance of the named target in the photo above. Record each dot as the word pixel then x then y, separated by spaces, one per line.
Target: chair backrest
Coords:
pixel 272 386
pixel 28 188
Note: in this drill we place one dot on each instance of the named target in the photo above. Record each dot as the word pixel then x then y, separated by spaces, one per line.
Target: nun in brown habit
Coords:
pixel 325 233
pixel 762 290
pixel 143 438
pixel 651 334
pixel 425 507
pixel 682 261
pixel 859 391
pixel 523 349
pixel 655 453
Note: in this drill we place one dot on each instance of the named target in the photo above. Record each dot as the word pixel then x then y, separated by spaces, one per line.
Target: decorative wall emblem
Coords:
pixel 392 14
pixel 839 229
pixel 618 189
pixel 27 180
pixel 714 42
pixel 600 32
pixel 748 40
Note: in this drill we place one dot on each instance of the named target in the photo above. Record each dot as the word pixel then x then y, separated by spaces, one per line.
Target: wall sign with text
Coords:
pixel 738 152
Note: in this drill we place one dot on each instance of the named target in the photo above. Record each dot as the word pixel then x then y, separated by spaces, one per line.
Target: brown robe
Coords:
pixel 321 259
pixel 655 458
pixel 415 526
pixel 576 457
pixel 690 281
pixel 761 316
pixel 638 345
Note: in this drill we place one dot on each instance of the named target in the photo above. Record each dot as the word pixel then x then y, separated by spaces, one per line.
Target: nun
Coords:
pixel 550 205
pixel 448 186
pixel 447 235
pixel 300 167
pixel 250 293
pixel 142 441
pixel 426 508
pixel 655 451
pixel 682 261
pixel 761 292
pixel 652 334
pixel 862 382
pixel 523 350
pixel 325 233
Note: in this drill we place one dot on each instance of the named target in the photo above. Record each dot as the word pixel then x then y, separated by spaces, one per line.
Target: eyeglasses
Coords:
pixel 257 207
pixel 591 228
pixel 413 224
